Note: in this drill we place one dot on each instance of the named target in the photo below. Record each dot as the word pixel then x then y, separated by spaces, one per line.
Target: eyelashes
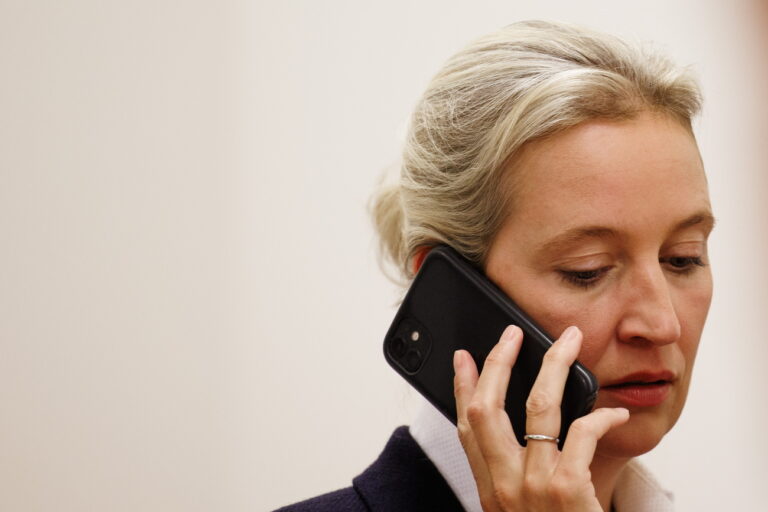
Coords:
pixel 584 278
pixel 682 265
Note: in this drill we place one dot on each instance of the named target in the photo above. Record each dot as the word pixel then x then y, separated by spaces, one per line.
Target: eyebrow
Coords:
pixel 704 219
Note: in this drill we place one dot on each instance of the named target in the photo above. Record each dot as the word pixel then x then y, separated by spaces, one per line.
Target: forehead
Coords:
pixel 635 172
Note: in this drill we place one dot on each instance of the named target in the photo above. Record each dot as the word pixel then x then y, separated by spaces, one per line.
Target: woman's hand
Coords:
pixel 538 477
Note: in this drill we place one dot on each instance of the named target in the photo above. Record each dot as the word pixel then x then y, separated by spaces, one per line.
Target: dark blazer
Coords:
pixel 402 479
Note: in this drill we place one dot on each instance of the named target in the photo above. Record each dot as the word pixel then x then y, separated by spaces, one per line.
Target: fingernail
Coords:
pixel 570 334
pixel 510 333
pixel 457 360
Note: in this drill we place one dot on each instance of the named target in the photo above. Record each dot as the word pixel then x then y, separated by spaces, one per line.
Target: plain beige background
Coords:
pixel 190 307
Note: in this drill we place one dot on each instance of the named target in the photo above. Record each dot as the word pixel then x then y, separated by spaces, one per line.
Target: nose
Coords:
pixel 649 314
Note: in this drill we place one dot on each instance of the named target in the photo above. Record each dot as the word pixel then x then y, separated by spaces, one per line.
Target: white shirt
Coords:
pixel 636 491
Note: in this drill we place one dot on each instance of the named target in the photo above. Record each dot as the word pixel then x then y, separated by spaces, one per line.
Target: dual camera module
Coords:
pixel 409 346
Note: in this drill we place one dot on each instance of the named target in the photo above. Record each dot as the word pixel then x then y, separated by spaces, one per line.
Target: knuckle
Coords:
pixel 565 485
pixel 458 387
pixel 494 358
pixel 581 427
pixel 464 429
pixel 563 475
pixel 477 413
pixel 554 355
pixel 533 486
pixel 504 496
pixel 538 402
pixel 561 490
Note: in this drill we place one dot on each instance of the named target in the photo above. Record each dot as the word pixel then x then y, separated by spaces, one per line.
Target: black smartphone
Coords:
pixel 451 305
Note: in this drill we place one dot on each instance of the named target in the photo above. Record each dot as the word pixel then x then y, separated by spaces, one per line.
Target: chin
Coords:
pixel 639 435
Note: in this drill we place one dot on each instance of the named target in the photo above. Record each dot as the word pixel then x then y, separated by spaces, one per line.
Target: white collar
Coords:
pixel 636 491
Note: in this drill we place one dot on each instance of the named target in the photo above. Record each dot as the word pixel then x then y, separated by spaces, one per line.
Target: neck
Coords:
pixel 605 473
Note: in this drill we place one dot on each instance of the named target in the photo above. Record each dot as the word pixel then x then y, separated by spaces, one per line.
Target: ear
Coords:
pixel 418 258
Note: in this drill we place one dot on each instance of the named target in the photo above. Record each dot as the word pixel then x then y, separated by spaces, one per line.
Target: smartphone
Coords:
pixel 451 305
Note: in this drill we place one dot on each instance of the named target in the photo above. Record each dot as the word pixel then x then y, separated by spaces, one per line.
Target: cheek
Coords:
pixel 698 306
pixel 692 305
pixel 693 308
pixel 597 322
pixel 595 318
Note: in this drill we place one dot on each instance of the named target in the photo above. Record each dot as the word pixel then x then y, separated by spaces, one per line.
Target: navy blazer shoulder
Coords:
pixel 402 479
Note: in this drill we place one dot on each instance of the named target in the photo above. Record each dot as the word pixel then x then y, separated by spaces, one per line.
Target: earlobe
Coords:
pixel 418 258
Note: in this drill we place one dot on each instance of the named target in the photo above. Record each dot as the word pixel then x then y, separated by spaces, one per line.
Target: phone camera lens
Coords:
pixel 397 347
pixel 412 361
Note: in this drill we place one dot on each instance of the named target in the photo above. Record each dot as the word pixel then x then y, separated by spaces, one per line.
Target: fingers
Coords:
pixel 464 384
pixel 485 413
pixel 508 476
pixel 464 381
pixel 494 381
pixel 585 432
pixel 484 427
pixel 543 405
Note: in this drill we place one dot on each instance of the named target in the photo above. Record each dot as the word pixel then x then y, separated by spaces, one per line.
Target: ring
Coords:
pixel 540 437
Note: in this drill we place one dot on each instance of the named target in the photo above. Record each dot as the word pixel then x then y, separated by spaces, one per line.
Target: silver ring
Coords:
pixel 540 437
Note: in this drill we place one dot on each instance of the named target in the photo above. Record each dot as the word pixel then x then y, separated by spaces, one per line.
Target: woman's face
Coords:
pixel 609 233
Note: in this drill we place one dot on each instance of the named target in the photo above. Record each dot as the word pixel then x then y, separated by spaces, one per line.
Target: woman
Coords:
pixel 562 162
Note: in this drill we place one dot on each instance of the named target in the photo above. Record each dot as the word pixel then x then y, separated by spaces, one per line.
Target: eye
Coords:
pixel 683 264
pixel 583 278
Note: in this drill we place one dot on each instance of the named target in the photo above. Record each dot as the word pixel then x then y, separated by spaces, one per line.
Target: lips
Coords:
pixel 640 389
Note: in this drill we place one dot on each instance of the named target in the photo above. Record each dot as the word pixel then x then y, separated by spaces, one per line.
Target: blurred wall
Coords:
pixel 190 307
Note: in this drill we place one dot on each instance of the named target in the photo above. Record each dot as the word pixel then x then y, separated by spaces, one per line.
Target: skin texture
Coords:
pixel 608 233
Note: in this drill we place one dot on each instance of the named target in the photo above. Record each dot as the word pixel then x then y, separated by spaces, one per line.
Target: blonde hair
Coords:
pixel 521 83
